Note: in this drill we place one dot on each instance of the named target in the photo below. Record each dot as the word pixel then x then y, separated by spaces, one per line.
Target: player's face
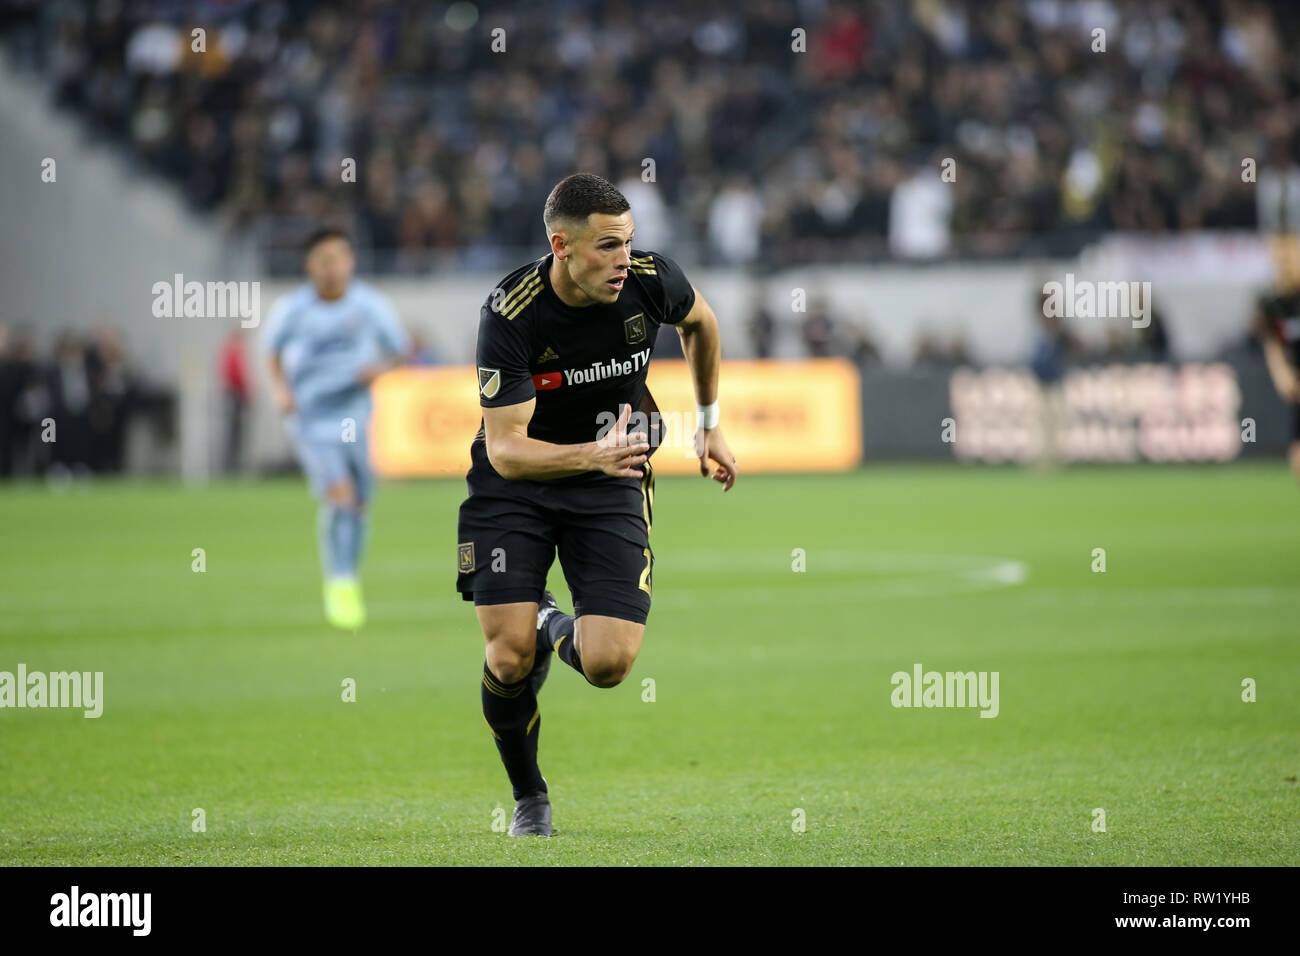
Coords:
pixel 329 266
pixel 601 257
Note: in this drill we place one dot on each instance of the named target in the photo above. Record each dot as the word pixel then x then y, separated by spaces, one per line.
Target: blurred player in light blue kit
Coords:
pixel 327 341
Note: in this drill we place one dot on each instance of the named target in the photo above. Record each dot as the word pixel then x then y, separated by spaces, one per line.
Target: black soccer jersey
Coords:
pixel 1283 314
pixel 580 363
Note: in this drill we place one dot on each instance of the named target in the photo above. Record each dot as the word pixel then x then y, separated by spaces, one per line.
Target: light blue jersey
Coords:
pixel 323 348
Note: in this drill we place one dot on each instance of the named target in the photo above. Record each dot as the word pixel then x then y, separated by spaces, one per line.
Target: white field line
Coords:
pixel 887 576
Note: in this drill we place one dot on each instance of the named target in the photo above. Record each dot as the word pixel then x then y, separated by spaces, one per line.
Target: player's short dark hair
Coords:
pixel 576 197
pixel 323 234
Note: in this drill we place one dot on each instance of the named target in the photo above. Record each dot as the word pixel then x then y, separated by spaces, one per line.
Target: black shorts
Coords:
pixel 510 531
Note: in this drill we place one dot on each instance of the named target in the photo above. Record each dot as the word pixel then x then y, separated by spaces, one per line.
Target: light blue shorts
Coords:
pixel 326 459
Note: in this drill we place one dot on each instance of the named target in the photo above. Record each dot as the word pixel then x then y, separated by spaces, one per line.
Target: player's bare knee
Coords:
pixel 604 676
pixel 509 662
pixel 342 494
pixel 609 648
pixel 511 634
pixel 608 670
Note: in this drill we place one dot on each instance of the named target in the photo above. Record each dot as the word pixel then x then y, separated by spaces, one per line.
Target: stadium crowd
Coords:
pixel 760 154
pixel 66 414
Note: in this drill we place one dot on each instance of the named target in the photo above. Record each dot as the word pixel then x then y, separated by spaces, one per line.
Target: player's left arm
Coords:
pixel 392 339
pixel 702 346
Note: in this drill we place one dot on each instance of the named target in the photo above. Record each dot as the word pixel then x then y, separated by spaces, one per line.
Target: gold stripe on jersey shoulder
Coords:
pixel 524 290
pixel 523 285
pixel 520 305
pixel 646 260
pixel 643 272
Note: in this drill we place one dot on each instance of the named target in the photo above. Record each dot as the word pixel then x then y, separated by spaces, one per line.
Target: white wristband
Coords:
pixel 706 416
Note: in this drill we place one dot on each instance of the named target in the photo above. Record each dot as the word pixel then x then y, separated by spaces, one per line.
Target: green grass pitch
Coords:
pixel 1119 690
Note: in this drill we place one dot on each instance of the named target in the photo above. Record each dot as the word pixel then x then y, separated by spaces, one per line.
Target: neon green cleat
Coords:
pixel 343 605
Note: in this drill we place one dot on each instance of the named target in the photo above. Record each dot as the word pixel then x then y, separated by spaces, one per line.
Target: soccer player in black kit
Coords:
pixel 563 348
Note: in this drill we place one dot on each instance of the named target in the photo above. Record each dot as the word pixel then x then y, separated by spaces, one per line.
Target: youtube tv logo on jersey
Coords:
pixel 548 380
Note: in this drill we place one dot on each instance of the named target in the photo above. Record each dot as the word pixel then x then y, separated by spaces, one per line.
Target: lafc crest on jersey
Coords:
pixel 634 329
pixel 489 381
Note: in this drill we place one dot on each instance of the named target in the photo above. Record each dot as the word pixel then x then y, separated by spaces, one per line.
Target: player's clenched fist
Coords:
pixel 619 453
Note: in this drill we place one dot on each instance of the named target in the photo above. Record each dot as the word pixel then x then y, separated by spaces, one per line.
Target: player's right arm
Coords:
pixel 283 393
pixel 274 337
pixel 514 455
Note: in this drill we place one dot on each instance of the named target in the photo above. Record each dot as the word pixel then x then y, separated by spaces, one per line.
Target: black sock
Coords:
pixel 559 631
pixel 515 720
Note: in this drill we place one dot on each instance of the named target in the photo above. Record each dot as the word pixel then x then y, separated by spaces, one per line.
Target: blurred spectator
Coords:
pixel 11 383
pixel 653 230
pixel 29 384
pixel 931 350
pixel 818 329
pixel 1051 349
pixel 862 348
pixel 1052 346
pixel 920 215
pixel 735 223
pixel 759 151
pixel 958 352
pixel 111 395
pixel 70 416
pixel 236 392
pixel 1279 198
pixel 71 448
pixel 762 325
pixel 1153 340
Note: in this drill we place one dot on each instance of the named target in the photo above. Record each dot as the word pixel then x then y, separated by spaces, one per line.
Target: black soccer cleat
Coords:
pixel 532 815
pixel 542 653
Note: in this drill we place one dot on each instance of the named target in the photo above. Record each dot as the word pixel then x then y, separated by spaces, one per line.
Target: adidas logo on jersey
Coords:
pixel 547 356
